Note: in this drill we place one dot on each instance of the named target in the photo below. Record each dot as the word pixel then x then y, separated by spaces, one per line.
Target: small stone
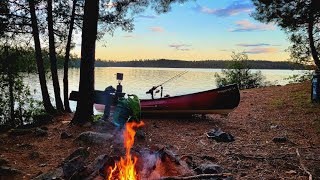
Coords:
pixel 4 162
pixel 291 172
pixel 209 168
pixel 40 132
pixel 65 135
pixel 140 134
pixel 280 139
pixel 273 126
pixel 34 155
pixel 65 122
pixel 42 165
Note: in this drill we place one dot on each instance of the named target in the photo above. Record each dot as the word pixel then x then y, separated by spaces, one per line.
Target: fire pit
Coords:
pixel 154 163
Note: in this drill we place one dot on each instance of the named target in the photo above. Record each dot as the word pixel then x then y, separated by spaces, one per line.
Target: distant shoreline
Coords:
pixel 207 64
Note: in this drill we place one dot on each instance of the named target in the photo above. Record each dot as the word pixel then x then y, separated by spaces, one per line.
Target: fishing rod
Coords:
pixel 160 85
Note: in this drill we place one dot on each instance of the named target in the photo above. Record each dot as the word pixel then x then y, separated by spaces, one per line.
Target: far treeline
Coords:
pixel 218 64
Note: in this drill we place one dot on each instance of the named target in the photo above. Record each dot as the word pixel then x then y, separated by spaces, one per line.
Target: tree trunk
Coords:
pixel 44 90
pixel 53 59
pixel 314 52
pixel 84 109
pixel 66 60
pixel 11 84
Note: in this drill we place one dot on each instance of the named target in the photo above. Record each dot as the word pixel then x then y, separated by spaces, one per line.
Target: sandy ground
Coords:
pixel 263 114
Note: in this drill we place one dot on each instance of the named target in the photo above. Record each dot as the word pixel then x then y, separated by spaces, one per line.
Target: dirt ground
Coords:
pixel 263 114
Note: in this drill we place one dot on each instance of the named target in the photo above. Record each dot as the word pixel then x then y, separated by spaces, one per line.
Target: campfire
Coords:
pixel 152 163
pixel 125 169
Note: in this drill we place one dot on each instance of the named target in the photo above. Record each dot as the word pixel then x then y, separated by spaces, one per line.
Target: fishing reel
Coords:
pixel 152 91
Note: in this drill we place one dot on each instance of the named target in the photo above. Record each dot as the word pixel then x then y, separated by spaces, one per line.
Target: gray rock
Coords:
pixel 40 132
pixel 51 175
pixel 10 173
pixel 74 167
pixel 79 152
pixel 90 137
pixel 209 168
pixel 99 162
pixel 65 135
pixel 3 162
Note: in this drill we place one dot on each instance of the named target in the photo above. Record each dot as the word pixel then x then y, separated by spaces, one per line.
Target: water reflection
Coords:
pixel 139 80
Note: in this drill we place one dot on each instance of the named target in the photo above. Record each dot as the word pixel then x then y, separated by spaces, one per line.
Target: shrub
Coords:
pixel 239 72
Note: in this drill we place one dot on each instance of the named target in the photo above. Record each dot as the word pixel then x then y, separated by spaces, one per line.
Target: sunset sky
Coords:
pixel 197 30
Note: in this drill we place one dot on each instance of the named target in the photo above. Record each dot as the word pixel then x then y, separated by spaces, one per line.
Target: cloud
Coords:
pixel 156 29
pixel 245 26
pixel 130 36
pixel 255 45
pixel 236 7
pixel 260 50
pixel 180 47
pixel 147 16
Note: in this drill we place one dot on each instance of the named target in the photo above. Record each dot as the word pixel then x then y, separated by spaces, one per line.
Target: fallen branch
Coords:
pixel 200 176
pixel 302 165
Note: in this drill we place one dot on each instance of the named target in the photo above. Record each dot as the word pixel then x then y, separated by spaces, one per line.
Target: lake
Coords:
pixel 139 80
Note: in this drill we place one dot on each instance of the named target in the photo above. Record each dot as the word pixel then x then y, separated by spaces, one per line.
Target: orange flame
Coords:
pixel 125 168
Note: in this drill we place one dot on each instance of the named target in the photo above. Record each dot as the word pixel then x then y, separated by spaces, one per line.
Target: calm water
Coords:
pixel 139 80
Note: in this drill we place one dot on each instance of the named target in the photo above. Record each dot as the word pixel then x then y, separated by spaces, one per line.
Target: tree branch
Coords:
pixel 302 165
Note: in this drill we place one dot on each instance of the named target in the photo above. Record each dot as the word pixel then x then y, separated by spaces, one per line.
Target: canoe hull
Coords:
pixel 217 101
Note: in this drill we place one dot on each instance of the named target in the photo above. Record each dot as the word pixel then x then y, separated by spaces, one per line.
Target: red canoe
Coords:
pixel 216 101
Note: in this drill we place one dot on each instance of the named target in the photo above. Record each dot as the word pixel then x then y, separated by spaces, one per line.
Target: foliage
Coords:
pixel 127 109
pixel 238 72
pixel 13 64
pixel 300 19
pixel 299 78
pixel 25 106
